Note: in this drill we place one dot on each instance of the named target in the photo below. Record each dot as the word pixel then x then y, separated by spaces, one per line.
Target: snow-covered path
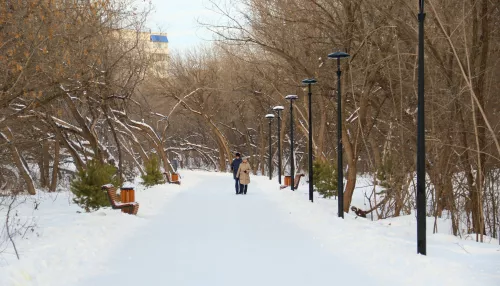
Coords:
pixel 207 235
pixel 202 234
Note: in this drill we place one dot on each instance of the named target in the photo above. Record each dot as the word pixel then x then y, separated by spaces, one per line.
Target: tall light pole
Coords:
pixel 270 117
pixel 309 82
pixel 291 97
pixel 421 203
pixel 340 171
pixel 278 109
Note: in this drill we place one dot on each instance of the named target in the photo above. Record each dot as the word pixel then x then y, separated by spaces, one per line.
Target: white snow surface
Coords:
pixel 201 233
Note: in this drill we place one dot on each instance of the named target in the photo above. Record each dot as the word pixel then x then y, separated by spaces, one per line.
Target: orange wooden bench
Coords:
pixel 130 208
pixel 172 180
pixel 296 182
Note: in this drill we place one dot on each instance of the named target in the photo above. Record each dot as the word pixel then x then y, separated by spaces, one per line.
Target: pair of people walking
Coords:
pixel 241 174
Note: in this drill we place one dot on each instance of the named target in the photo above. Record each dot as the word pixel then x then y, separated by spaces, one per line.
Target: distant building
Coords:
pixel 156 47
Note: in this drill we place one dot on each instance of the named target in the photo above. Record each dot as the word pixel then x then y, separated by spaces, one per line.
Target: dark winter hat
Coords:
pixel 238 154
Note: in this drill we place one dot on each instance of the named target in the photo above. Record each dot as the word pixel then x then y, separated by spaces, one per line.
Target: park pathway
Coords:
pixel 207 235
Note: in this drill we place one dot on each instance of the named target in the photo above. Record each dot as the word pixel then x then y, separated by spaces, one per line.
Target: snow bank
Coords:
pixel 67 243
pixel 387 248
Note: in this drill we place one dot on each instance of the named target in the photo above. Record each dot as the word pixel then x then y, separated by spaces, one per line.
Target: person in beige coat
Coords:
pixel 244 175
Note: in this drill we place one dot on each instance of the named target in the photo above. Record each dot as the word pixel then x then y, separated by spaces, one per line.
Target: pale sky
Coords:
pixel 179 20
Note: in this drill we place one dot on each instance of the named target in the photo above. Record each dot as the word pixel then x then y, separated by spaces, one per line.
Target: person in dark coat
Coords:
pixel 234 167
pixel 175 164
pixel 244 175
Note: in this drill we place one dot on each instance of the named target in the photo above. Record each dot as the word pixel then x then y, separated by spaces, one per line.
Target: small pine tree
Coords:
pixel 325 178
pixel 88 183
pixel 153 175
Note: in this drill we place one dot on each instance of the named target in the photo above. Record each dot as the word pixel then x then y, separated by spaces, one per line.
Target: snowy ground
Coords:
pixel 201 233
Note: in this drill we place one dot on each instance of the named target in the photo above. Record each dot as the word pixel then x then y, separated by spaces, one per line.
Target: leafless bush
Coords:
pixel 14 226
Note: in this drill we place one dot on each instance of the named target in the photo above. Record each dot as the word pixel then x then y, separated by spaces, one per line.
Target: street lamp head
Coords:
pixel 291 97
pixel 278 108
pixel 270 116
pixel 309 81
pixel 338 55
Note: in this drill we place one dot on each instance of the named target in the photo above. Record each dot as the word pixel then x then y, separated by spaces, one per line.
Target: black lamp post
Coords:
pixel 278 109
pixel 309 82
pixel 291 97
pixel 340 171
pixel 421 203
pixel 270 117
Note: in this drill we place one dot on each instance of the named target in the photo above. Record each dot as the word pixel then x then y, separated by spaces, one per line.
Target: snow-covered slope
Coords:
pixel 68 245
pixel 201 233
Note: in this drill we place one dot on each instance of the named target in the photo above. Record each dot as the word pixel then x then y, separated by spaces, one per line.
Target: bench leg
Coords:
pixel 132 209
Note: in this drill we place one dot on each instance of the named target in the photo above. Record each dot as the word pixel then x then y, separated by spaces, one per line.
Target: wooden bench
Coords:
pixel 296 182
pixel 130 208
pixel 359 212
pixel 174 179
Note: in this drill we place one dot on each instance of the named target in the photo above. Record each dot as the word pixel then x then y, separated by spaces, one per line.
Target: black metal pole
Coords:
pixel 421 203
pixel 311 189
pixel 279 147
pixel 292 165
pixel 340 170
pixel 270 152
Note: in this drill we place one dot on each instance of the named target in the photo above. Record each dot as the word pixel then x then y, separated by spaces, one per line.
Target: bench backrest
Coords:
pixel 297 180
pixel 111 194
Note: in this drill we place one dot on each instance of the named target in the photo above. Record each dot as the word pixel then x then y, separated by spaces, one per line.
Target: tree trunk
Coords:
pixel 320 149
pixel 351 171
pixel 349 187
pixel 117 142
pixel 21 167
pixel 86 132
pixel 222 145
pixel 262 152
pixel 44 165
pixel 55 166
